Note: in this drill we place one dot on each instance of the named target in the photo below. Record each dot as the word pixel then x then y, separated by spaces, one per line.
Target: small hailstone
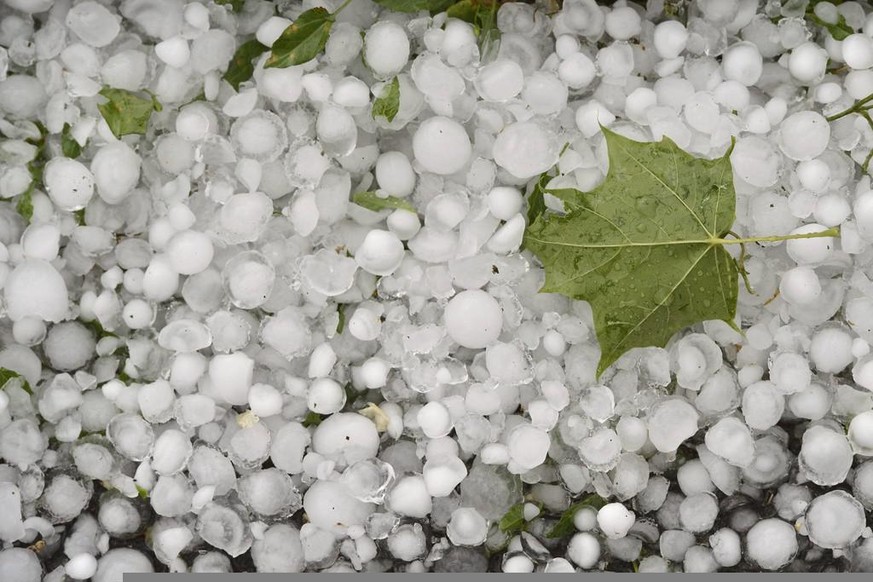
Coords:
pixel 835 520
pixel 857 51
pixel 800 286
pixel 326 396
pixel 386 48
pixel 435 420
pixel 525 150
pixel 81 566
pixel 499 81
pixel 380 253
pixel 528 446
pixel 771 543
pixel 394 174
pixel 825 456
pixel 742 62
pixel 814 175
pixel 504 202
pixel 614 520
pixel 670 39
pixel 271 29
pixel 809 251
pixel 584 550
pixel 68 183
pixel 731 440
pixel 173 51
pixel 441 145
pixel 807 62
pixel 804 135
pixel 860 433
pixel 474 319
pixel 410 497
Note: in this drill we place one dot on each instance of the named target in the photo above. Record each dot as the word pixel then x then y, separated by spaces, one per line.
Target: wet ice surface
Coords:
pixel 214 360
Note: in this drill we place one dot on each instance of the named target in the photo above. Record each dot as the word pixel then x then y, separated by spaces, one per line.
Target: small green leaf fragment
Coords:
pixel 372 201
pixel 536 203
pixel 565 525
pixel 241 67
pixel 7 375
pixel 126 112
pixel 79 215
pixel 513 521
pixel 69 146
pixel 482 14
pixel 312 419
pixel 302 40
pixel 341 317
pixel 142 492
pixel 388 104
pixel 24 206
pixel 434 6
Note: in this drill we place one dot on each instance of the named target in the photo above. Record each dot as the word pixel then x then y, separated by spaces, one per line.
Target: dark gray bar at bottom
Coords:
pixel 492 577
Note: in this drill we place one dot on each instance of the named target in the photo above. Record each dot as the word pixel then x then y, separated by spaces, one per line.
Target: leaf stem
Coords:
pixel 776 238
pixel 341 7
pixel 857 107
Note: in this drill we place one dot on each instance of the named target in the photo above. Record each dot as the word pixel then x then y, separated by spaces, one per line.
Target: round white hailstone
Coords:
pixel 862 372
pixel 35 289
pixel 525 149
pixel 114 564
pixel 81 566
pixel 814 175
pixel 171 453
pixel 696 357
pixel 435 420
pixel 329 506
pixel 731 440
pixel 174 51
pixel 395 174
pixel 518 564
pixel 825 456
pixel 93 23
pixel 326 396
pixel 670 39
pixel 386 48
pixel 271 29
pixel 441 145
pixel 265 400
pixel 566 45
pixel 403 223
pixel 504 202
pixel 697 513
pixel 380 253
pixel 467 527
pixel 771 543
pixel 68 183
pixel 812 403
pixel 693 478
pixel 41 241
pixel 321 360
pixel 443 475
pixel 763 405
pixel 554 343
pixel 755 161
pixel 615 520
pixel 584 550
pixel 577 71
pixel 671 422
pixel 726 547
pixel 374 373
pixel 809 251
pixel 29 331
pixel 192 124
pixel 21 96
pixel 857 51
pixel 830 350
pixel 365 324
pixel 346 438
pixel 623 23
pixel 804 135
pixel 800 286
pixel 116 169
pixel 409 497
pixel 835 520
pixel 742 62
pixel 544 93
pixel 69 345
pixel 137 314
pixel 474 319
pixel 585 519
pixel 632 432
pixel 863 211
pixel 861 433
pixel 808 62
pixel 638 104
pixel 528 446
pixel 190 252
pixel 231 377
pixel 351 92
pixel 499 81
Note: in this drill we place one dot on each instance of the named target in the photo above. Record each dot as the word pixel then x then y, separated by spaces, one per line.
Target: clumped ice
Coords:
pixel 208 344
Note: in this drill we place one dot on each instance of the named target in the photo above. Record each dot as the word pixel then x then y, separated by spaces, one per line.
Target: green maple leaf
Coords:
pixel 646 247
pixel 302 40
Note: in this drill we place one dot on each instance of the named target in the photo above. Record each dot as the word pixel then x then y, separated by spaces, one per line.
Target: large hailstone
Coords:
pixel 35 288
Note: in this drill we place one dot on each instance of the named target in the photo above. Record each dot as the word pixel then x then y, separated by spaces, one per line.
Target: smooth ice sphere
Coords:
pixel 81 566
pixel 173 51
pixel 279 550
pixel 244 216
pixel 835 520
pixel 435 420
pixel 525 149
pixel 329 506
pixel 504 202
pixel 190 252
pixel 614 520
pixel 742 62
pixel 528 446
pixel 500 80
pixel 467 527
pixel 260 135
pixel 731 440
pixel 116 170
pixel 65 497
pixel 68 183
pixel 800 286
pixel 771 543
pixel 35 289
pixel 386 48
pixel 368 480
pixel 825 456
pixel 804 135
pixel 544 93
pixel 441 145
pixel 763 405
pixel 171 453
pixel 185 335
pixel 809 251
pixel 328 272
pixel 93 23
pixel 698 512
pixel 224 528
pixel 410 497
pixel 326 396
pixel 336 130
pixel 131 436
pixel 600 451
pixel 814 175
pixel 442 475
pixel 346 438
pixel 287 332
pixel 231 377
pixel 671 422
pixel 380 253
pixel 269 492
pixel 755 161
pixel 670 39
pixel 22 96
pixel 857 51
pixel 861 433
pixel 474 319
pixel 696 357
pixel 584 550
pixel 249 278
pixel 394 174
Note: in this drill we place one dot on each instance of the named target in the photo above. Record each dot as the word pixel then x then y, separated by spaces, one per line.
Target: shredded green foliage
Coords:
pixel 126 112
pixel 513 520
pixel 388 104
pixel 7 375
pixel 69 146
pixel 372 201
pixel 241 67
pixel 302 40
pixel 565 525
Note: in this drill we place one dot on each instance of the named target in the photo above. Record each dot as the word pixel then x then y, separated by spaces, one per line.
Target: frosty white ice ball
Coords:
pixel 441 145
pixel 474 319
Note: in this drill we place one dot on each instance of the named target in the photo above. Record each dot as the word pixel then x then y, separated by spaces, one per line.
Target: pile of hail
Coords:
pixel 265 302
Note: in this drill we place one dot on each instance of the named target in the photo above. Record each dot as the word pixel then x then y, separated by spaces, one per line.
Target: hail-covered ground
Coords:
pixel 213 360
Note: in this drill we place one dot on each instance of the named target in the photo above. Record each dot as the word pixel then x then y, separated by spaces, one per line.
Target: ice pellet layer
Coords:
pixel 214 360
